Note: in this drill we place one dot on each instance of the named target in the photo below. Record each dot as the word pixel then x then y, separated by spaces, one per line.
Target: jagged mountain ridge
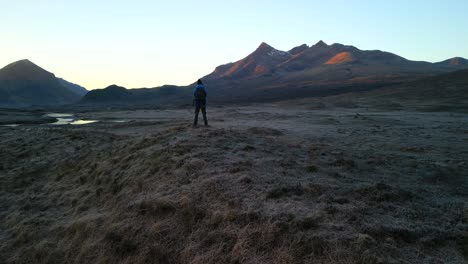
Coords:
pixel 268 60
pixel 270 74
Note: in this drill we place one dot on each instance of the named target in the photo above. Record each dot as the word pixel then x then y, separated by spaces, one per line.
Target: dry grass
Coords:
pixel 218 195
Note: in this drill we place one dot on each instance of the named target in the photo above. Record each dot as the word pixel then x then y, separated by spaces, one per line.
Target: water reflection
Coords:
pixel 68 119
pixel 83 122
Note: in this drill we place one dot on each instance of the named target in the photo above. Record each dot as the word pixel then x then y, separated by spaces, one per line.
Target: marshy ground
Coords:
pixel 264 184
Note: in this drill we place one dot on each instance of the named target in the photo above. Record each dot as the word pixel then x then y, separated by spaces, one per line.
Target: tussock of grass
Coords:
pixel 265 131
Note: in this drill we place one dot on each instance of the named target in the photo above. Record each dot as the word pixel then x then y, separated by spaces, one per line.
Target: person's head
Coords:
pixel 199 81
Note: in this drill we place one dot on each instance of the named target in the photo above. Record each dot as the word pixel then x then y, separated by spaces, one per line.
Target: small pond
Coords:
pixel 69 119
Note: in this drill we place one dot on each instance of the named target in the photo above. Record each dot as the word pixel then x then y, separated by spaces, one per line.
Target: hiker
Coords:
pixel 199 93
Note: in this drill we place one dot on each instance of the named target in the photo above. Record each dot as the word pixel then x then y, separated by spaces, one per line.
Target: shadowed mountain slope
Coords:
pixel 80 90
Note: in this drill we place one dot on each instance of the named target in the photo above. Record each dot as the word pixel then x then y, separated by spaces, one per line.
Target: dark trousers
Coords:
pixel 200 105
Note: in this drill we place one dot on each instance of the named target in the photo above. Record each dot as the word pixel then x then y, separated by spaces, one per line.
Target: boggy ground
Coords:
pixel 263 184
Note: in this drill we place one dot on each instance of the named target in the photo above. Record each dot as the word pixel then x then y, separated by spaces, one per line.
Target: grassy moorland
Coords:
pixel 263 184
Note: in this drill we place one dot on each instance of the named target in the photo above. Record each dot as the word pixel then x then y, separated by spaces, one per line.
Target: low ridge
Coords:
pixel 456 61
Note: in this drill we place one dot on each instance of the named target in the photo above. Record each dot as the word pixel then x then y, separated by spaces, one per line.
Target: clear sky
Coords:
pixel 147 43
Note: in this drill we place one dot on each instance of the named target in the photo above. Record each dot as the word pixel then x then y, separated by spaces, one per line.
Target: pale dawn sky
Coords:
pixel 145 43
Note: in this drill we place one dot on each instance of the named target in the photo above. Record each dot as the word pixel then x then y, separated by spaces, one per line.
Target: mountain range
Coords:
pixel 267 74
pixel 328 63
pixel 23 83
pixel 304 70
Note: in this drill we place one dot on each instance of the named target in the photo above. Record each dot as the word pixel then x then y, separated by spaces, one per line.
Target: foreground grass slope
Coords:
pixel 321 187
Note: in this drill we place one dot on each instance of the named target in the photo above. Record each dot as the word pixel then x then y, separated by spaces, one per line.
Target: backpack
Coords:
pixel 199 94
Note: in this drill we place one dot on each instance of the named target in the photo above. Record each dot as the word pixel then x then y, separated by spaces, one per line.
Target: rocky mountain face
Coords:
pixel 326 62
pixel 23 84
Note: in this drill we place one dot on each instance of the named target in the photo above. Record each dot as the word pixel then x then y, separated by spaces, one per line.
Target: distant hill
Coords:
pixel 80 90
pixel 454 62
pixel 112 93
pixel 23 83
pixel 167 95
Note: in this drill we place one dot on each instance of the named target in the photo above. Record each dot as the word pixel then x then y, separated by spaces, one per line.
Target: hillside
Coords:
pixel 447 86
pixel 23 83
pixel 445 92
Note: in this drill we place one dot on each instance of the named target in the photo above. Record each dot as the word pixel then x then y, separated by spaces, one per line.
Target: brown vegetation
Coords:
pixel 161 192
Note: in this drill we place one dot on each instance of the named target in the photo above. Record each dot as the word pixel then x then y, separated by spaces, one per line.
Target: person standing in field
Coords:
pixel 199 93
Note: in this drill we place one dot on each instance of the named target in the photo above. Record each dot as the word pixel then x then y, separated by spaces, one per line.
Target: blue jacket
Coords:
pixel 199 86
